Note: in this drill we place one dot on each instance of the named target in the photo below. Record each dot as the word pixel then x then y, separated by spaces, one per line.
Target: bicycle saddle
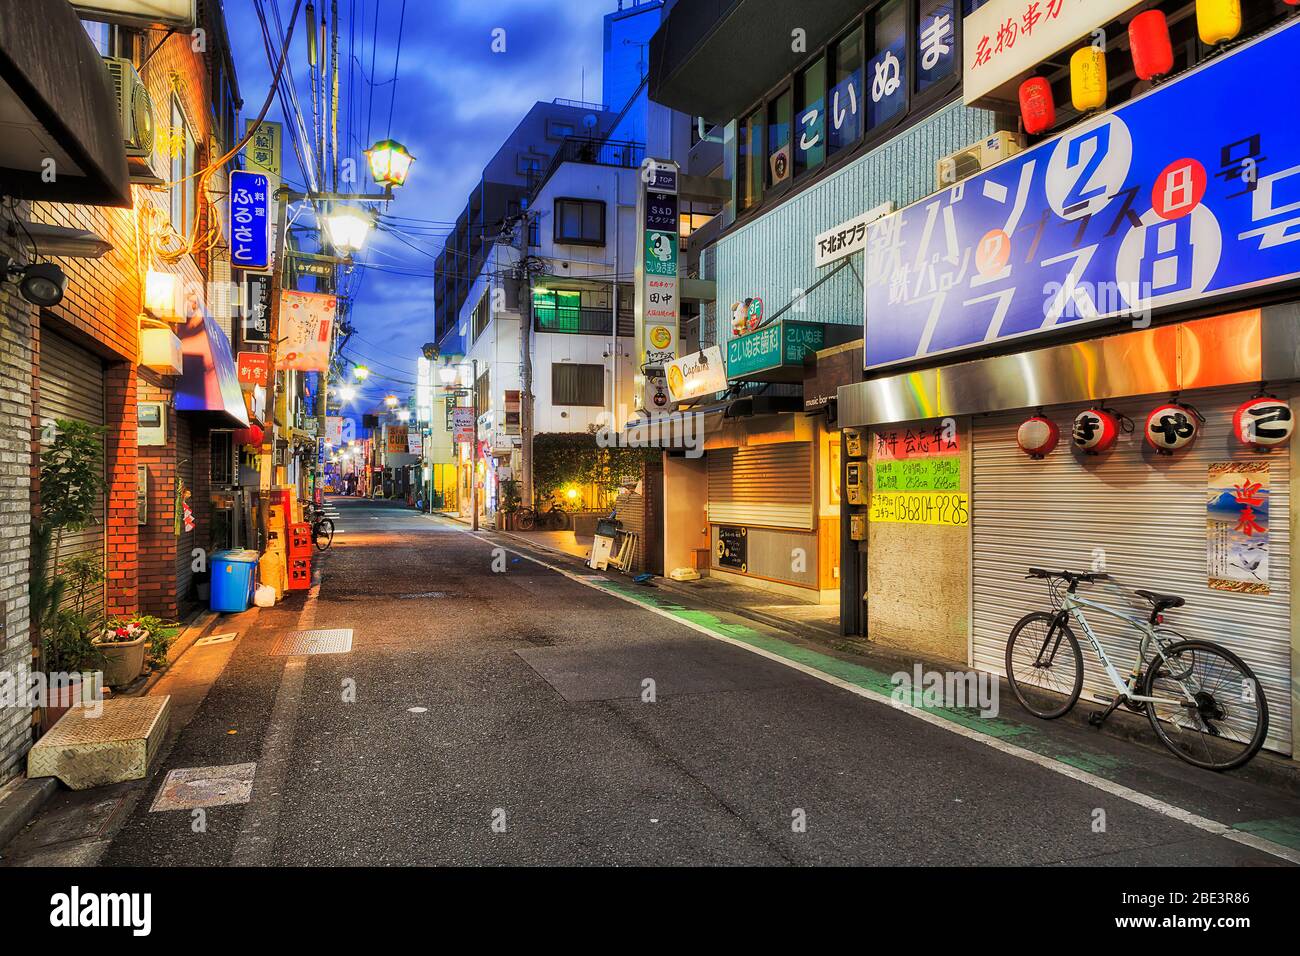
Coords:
pixel 1161 601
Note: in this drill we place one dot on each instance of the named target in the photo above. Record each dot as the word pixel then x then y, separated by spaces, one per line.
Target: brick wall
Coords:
pixel 16 322
pixel 157 537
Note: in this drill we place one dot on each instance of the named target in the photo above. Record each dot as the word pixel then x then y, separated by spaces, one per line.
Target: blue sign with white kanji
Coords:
pixel 250 220
pixel 1186 194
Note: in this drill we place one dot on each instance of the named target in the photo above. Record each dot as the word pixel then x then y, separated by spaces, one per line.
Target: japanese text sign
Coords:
pixel 1004 39
pixel 848 237
pixel 250 220
pixel 253 368
pixel 1130 212
pixel 306 324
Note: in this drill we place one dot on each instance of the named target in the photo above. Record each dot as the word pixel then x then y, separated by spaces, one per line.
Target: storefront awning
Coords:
pixel 56 103
pixel 209 383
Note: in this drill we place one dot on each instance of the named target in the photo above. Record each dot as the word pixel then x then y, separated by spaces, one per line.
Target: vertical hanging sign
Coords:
pixel 250 220
pixel 657 292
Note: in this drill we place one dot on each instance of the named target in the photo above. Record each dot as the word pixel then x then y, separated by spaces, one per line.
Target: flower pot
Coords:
pixel 123 662
pixel 64 697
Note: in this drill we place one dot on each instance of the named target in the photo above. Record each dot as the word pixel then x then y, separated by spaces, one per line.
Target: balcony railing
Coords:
pixel 574 321
pixel 585 149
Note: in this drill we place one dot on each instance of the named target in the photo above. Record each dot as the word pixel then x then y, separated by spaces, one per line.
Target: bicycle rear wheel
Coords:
pixel 525 519
pixel 323 533
pixel 1213 713
pixel 1044 663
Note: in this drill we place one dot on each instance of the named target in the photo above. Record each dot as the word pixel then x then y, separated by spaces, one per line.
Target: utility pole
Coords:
pixel 473 450
pixel 526 364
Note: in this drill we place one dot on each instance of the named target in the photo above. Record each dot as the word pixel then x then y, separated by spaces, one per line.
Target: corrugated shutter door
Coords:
pixel 765 485
pixel 1144 515
pixel 72 387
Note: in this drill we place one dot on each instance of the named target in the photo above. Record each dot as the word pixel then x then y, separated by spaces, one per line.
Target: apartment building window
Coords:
pixel 555 129
pixel 888 68
pixel 482 315
pixel 184 163
pixel 529 165
pixel 890 64
pixel 844 104
pixel 936 43
pixel 534 232
pixel 580 222
pixel 579 311
pixel 749 171
pixel 779 111
pixel 810 116
pixel 483 392
pixel 573 384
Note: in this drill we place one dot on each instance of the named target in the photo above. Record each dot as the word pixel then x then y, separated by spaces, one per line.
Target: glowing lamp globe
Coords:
pixel 361 373
pixel 390 163
pixel 390 401
pixel 348 229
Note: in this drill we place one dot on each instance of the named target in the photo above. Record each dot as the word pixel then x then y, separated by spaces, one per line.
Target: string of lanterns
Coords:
pixel 1151 47
pixel 1262 423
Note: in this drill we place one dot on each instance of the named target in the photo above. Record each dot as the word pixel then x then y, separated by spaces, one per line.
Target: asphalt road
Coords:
pixel 488 716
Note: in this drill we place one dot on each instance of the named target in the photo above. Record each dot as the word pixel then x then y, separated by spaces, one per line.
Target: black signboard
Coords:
pixel 733 548
pixel 256 324
pixel 661 212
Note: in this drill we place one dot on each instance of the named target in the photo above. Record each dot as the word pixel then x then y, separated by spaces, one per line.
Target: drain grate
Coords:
pixel 328 641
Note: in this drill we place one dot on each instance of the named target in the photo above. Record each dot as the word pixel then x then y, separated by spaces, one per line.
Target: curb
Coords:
pixel 199 626
pixel 667 584
pixel 21 803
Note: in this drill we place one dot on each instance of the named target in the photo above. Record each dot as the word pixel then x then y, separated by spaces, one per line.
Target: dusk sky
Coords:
pixel 456 101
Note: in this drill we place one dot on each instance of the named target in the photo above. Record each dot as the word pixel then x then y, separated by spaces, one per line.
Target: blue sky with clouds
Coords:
pixel 456 101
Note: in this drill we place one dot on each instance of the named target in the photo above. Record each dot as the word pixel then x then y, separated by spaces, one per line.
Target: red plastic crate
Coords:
pixel 300 543
pixel 299 574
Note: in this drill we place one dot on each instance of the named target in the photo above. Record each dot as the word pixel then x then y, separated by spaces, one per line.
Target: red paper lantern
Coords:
pixel 1148 37
pixel 1264 423
pixel 1037 436
pixel 1095 430
pixel 1170 427
pixel 1037 109
pixel 252 435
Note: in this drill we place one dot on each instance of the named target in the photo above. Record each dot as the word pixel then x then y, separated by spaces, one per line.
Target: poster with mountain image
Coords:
pixel 1236 526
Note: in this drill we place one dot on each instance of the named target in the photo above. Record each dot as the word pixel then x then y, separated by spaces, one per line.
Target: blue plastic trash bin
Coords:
pixel 233 573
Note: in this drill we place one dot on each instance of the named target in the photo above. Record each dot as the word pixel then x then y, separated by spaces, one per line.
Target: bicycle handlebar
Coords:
pixel 1074 578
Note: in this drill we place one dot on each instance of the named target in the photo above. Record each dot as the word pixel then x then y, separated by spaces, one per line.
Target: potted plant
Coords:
pixel 68 648
pixel 123 647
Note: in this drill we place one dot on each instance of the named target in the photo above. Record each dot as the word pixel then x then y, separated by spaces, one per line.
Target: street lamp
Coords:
pixel 390 163
pixel 403 414
pixel 390 401
pixel 447 374
pixel 361 373
pixel 347 393
pixel 348 228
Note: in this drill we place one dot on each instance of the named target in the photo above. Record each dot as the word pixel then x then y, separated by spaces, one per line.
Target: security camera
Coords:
pixel 41 283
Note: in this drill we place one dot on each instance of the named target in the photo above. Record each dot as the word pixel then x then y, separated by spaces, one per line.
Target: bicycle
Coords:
pixel 553 518
pixel 1203 701
pixel 322 528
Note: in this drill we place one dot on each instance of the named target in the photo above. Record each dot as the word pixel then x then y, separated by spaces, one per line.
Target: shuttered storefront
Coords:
pixel 72 387
pixel 1144 515
pixel 765 485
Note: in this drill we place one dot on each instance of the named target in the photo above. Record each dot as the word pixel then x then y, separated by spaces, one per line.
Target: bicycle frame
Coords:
pixel 1072 606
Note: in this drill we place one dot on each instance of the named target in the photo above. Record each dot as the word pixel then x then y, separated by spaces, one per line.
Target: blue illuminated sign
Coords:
pixel 1188 193
pixel 250 220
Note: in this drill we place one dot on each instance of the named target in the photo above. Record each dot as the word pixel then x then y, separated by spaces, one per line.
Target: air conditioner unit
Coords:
pixel 134 108
pixel 979 156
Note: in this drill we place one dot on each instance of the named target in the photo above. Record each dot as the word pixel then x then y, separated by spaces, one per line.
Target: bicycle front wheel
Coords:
pixel 1044 665
pixel 1210 710
pixel 525 519
pixel 324 534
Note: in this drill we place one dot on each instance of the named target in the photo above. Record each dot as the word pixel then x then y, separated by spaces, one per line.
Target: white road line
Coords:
pixel 1143 800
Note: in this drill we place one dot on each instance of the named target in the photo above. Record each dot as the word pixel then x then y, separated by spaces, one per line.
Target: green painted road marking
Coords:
pixel 1030 738
pixel 1284 830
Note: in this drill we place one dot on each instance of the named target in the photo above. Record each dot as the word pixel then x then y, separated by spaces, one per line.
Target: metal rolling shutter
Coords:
pixel 764 485
pixel 72 387
pixel 1148 515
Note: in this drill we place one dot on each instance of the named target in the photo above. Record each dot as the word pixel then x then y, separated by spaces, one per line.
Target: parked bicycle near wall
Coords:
pixel 322 528
pixel 551 518
pixel 1204 703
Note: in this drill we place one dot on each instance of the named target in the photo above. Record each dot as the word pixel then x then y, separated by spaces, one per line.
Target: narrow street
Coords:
pixel 515 698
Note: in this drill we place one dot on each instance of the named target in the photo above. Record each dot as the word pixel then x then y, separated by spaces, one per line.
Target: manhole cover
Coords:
pixel 196 787
pixel 328 641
